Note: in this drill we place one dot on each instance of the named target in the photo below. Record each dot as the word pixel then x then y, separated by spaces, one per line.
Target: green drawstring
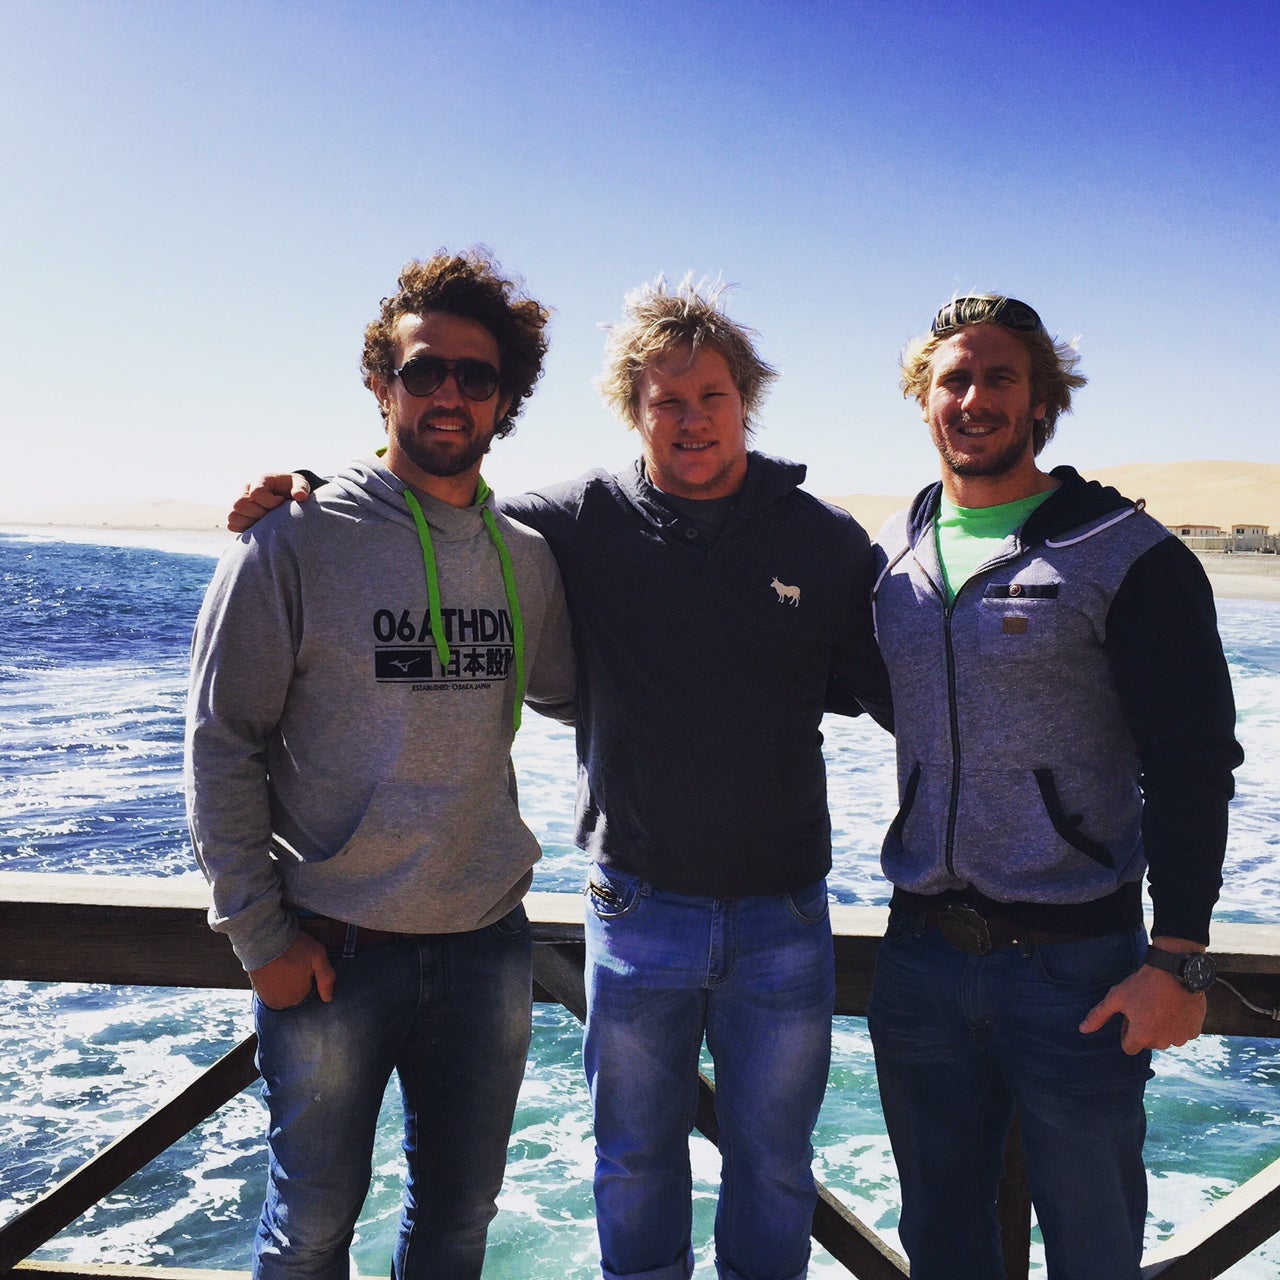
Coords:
pixel 483 493
pixel 433 579
pixel 508 581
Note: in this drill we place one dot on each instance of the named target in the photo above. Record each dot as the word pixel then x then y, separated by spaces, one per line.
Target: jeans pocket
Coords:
pixel 1093 962
pixel 515 924
pixel 309 999
pixel 809 905
pixel 611 893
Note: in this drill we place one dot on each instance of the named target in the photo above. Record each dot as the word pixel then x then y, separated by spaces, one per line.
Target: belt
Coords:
pixel 340 936
pixel 970 930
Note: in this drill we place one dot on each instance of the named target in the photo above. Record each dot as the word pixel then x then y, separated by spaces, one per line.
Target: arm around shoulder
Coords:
pixel 858 672
pixel 551 686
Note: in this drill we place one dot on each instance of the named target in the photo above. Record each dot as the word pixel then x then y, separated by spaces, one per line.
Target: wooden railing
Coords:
pixel 129 930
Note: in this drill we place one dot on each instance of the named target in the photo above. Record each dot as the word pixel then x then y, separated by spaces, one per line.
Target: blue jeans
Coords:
pixel 450 1014
pixel 755 975
pixel 960 1040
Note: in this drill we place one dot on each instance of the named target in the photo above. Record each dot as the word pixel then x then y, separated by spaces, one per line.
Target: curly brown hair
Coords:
pixel 1053 363
pixel 469 284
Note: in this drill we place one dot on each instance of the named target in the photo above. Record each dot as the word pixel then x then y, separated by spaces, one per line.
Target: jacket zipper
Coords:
pixel 953 711
pixel 953 801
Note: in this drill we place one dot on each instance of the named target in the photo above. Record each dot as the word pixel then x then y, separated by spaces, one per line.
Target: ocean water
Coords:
pixel 94 630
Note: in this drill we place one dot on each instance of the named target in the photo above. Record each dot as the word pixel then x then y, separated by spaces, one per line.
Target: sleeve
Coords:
pixel 242 661
pixel 859 680
pixel 1163 645
pixel 551 685
pixel 530 509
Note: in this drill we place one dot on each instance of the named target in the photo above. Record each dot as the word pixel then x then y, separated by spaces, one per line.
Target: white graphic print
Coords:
pixel 786 593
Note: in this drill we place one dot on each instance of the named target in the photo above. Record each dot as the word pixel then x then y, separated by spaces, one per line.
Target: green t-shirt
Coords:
pixel 969 536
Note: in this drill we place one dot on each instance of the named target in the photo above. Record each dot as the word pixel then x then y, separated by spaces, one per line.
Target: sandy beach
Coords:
pixel 1211 493
pixel 1242 576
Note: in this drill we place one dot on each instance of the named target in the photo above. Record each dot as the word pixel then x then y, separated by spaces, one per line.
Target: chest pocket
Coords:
pixel 1019 620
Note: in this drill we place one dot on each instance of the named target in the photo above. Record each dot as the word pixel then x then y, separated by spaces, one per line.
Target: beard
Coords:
pixel 1017 448
pixel 442 457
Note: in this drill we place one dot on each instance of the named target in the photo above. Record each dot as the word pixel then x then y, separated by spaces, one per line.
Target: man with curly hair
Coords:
pixel 358 670
pixel 1065 728
pixel 717 609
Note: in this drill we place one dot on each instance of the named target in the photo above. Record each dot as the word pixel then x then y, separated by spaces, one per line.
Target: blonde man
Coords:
pixel 1064 728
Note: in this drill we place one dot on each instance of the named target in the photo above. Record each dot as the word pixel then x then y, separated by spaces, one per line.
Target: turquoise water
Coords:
pixel 93 649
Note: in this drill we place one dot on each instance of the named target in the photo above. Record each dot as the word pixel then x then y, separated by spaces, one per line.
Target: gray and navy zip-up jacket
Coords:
pixel 1065 724
pixel 704 664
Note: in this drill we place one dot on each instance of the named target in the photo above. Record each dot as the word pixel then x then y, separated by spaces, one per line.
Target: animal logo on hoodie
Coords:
pixel 786 594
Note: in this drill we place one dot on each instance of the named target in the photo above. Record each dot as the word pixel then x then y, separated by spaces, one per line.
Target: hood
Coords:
pixel 768 479
pixel 369 486
pixel 1075 505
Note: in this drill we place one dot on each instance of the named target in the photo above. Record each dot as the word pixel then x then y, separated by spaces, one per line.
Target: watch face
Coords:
pixel 1197 972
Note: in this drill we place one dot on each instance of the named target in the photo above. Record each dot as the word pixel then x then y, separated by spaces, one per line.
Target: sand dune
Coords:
pixel 1221 493
pixel 166 514
pixel 1212 493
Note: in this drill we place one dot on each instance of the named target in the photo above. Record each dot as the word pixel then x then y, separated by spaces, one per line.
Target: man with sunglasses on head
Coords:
pixel 358 670
pixel 1065 726
pixel 717 609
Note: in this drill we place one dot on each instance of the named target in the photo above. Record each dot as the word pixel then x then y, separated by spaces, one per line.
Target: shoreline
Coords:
pixel 1240 575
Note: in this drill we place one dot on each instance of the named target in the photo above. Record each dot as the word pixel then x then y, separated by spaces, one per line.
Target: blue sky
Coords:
pixel 205 202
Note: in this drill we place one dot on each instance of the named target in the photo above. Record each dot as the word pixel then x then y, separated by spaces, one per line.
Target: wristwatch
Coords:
pixel 1194 970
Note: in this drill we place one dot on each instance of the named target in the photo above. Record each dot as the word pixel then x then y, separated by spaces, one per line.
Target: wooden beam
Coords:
pixel 1014 1205
pixel 142 930
pixel 101 1175
pixel 1232 1229
pixel 852 1243
pixel 128 929
pixel 557 969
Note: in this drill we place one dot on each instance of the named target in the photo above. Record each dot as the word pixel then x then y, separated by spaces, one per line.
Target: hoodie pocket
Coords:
pixel 1019 621
pixel 904 808
pixel 1068 825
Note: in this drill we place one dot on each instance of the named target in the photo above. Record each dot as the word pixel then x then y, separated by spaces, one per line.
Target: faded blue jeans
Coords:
pixel 960 1040
pixel 755 975
pixel 450 1014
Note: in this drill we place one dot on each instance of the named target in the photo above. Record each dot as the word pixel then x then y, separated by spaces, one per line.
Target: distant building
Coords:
pixel 1201 537
pixel 1240 537
pixel 1251 537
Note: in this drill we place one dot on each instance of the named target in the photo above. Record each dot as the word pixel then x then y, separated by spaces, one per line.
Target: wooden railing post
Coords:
pixel 1014 1207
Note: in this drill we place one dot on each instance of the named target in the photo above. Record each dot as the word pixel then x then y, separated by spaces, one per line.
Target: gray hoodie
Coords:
pixel 334 762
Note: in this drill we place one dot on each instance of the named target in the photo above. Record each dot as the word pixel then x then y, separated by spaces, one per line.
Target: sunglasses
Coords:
pixel 476 379
pixel 1008 312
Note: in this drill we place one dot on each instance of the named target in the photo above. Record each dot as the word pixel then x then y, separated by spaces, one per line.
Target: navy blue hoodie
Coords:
pixel 704 665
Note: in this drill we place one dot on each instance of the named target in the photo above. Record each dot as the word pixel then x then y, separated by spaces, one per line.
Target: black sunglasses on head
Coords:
pixel 1008 312
pixel 476 379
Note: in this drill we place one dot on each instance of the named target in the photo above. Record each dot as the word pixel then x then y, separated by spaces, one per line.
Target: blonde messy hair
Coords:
pixel 656 319
pixel 1053 363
